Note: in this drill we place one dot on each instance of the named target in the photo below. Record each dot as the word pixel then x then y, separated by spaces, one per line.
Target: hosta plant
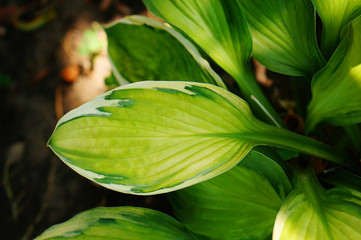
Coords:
pixel 229 165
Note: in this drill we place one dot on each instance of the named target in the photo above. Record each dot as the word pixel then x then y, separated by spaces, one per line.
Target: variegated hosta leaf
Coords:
pixel 240 204
pixel 118 223
pixel 311 212
pixel 335 15
pixel 283 33
pixel 336 88
pixel 220 29
pixel 141 48
pixel 153 137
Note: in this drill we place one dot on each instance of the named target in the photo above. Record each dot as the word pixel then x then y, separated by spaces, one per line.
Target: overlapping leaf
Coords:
pixel 221 30
pixel 311 212
pixel 155 136
pixel 216 26
pixel 336 88
pixel 335 15
pixel 118 223
pixel 283 33
pixel 141 48
pixel 343 178
pixel 239 204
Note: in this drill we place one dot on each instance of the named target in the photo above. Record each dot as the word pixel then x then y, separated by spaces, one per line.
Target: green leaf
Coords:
pixel 311 212
pixel 336 97
pixel 239 204
pixel 91 43
pixel 287 154
pixel 118 223
pixel 343 178
pixel 335 16
pixel 111 81
pixel 221 30
pixel 216 26
pixel 141 48
pixel 284 38
pixel 155 136
pixel 354 133
pixel 261 158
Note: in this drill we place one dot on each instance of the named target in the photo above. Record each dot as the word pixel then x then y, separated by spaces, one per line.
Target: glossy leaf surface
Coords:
pixel 311 212
pixel 283 33
pixel 239 204
pixel 154 136
pixel 141 49
pixel 335 15
pixel 218 27
pixel 336 88
pixel 221 30
pixel 118 223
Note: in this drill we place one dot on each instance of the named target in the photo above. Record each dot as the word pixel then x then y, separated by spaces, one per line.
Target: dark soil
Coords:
pixel 37 189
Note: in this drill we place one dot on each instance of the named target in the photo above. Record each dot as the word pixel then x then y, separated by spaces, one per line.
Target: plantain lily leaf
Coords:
pixel 240 204
pixel 217 26
pixel 118 223
pixel 354 133
pixel 284 38
pixel 335 16
pixel 141 48
pixel 155 136
pixel 343 178
pixel 336 97
pixel 257 160
pixel 311 212
pixel 220 29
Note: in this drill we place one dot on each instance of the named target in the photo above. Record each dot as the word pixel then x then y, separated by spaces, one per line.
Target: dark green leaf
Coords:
pixel 354 133
pixel 343 178
pixel 141 49
pixel 111 81
pixel 262 158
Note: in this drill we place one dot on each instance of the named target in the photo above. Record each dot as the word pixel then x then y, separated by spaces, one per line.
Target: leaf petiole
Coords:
pixel 264 134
